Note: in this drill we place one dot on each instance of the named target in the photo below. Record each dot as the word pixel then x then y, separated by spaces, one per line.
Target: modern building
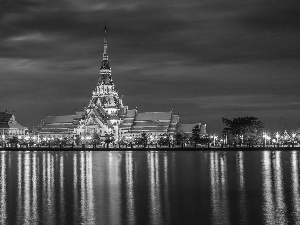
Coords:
pixel 106 114
pixel 9 125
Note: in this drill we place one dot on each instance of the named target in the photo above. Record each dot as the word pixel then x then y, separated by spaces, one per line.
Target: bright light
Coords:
pixel 293 135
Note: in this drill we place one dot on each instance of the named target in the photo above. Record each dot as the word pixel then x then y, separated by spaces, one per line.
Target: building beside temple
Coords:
pixel 9 125
pixel 106 115
pixel 60 126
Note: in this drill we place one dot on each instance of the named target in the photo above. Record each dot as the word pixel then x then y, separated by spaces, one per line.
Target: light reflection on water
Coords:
pixel 295 186
pixel 219 198
pixel 149 187
pixel 3 215
pixel 130 189
pixel 241 185
pixel 154 183
pixel 274 204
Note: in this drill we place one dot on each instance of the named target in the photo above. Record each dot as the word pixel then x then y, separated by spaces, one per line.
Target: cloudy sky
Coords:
pixel 203 59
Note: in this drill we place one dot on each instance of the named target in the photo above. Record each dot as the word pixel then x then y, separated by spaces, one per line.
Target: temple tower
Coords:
pixel 105 106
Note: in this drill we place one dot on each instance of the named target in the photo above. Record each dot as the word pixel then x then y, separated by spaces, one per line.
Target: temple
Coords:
pixel 9 125
pixel 106 115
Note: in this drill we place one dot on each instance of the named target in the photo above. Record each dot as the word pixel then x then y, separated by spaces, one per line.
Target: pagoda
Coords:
pixel 105 111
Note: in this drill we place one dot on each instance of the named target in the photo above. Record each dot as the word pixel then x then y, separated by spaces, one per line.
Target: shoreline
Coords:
pixel 191 149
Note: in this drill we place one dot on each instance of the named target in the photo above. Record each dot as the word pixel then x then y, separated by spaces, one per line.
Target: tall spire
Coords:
pixel 105 56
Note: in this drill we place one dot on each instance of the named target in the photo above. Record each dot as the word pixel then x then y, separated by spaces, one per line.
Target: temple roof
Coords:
pixel 186 128
pixel 60 119
pixel 79 115
pixel 4 125
pixel 154 116
pixel 130 113
pixel 5 117
pixel 7 120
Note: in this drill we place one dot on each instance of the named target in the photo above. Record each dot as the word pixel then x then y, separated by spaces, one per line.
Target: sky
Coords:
pixel 203 59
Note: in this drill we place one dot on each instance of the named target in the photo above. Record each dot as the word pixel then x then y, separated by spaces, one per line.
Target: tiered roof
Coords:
pixel 8 121
pixel 60 125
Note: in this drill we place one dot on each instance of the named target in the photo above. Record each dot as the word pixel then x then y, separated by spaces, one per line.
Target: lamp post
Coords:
pixel 214 139
pixel 3 140
pixel 277 136
pixel 293 141
pixel 265 137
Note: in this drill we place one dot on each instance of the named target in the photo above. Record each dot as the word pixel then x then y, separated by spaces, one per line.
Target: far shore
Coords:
pixel 161 149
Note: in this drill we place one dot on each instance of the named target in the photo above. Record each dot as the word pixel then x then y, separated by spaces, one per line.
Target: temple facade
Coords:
pixel 106 115
pixel 105 111
pixel 9 125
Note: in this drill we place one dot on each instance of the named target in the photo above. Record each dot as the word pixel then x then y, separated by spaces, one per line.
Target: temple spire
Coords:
pixel 105 56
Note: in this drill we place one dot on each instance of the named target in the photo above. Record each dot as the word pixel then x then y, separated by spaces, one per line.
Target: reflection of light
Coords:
pixel 274 211
pixel 279 195
pixel 153 167
pixel 75 200
pixel 241 181
pixel 19 193
pixel 27 178
pixel 86 189
pixel 3 213
pixel 114 190
pixel 129 187
pixel 218 179
pixel 166 188
pixel 268 204
pixel 82 186
pixel 50 191
pixel 61 190
pixel 295 187
pixel 90 191
pixel 35 194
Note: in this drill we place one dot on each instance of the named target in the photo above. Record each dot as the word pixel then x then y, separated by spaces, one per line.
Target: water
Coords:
pixel 150 188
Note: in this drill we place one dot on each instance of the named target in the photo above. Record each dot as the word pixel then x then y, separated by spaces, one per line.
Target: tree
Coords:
pixel 144 139
pixel 196 134
pixel 108 139
pixel 164 140
pixel 13 140
pixel 180 138
pixel 96 140
pixel 204 140
pixel 247 129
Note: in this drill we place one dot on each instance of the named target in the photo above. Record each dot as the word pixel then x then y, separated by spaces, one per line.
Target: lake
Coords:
pixel 148 187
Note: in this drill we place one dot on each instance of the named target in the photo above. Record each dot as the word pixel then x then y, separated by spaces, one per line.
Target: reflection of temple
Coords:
pixel 106 114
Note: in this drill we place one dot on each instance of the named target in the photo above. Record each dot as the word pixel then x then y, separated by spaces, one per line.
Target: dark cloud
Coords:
pixel 205 59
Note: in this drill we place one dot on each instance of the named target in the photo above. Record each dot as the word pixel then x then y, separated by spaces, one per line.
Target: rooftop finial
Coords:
pixel 105 56
pixel 105 31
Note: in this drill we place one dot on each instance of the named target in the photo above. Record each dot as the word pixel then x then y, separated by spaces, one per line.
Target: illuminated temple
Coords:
pixel 106 114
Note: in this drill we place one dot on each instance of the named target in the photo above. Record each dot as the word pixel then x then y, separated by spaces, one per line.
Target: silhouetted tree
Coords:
pixel 196 134
pixel 250 128
pixel 108 139
pixel 180 138
pixel 96 140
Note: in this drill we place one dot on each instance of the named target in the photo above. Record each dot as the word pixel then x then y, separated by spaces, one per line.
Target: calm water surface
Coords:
pixel 150 188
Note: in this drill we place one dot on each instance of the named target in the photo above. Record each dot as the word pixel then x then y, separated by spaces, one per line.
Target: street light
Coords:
pixel 266 137
pixel 3 140
pixel 277 136
pixel 293 135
